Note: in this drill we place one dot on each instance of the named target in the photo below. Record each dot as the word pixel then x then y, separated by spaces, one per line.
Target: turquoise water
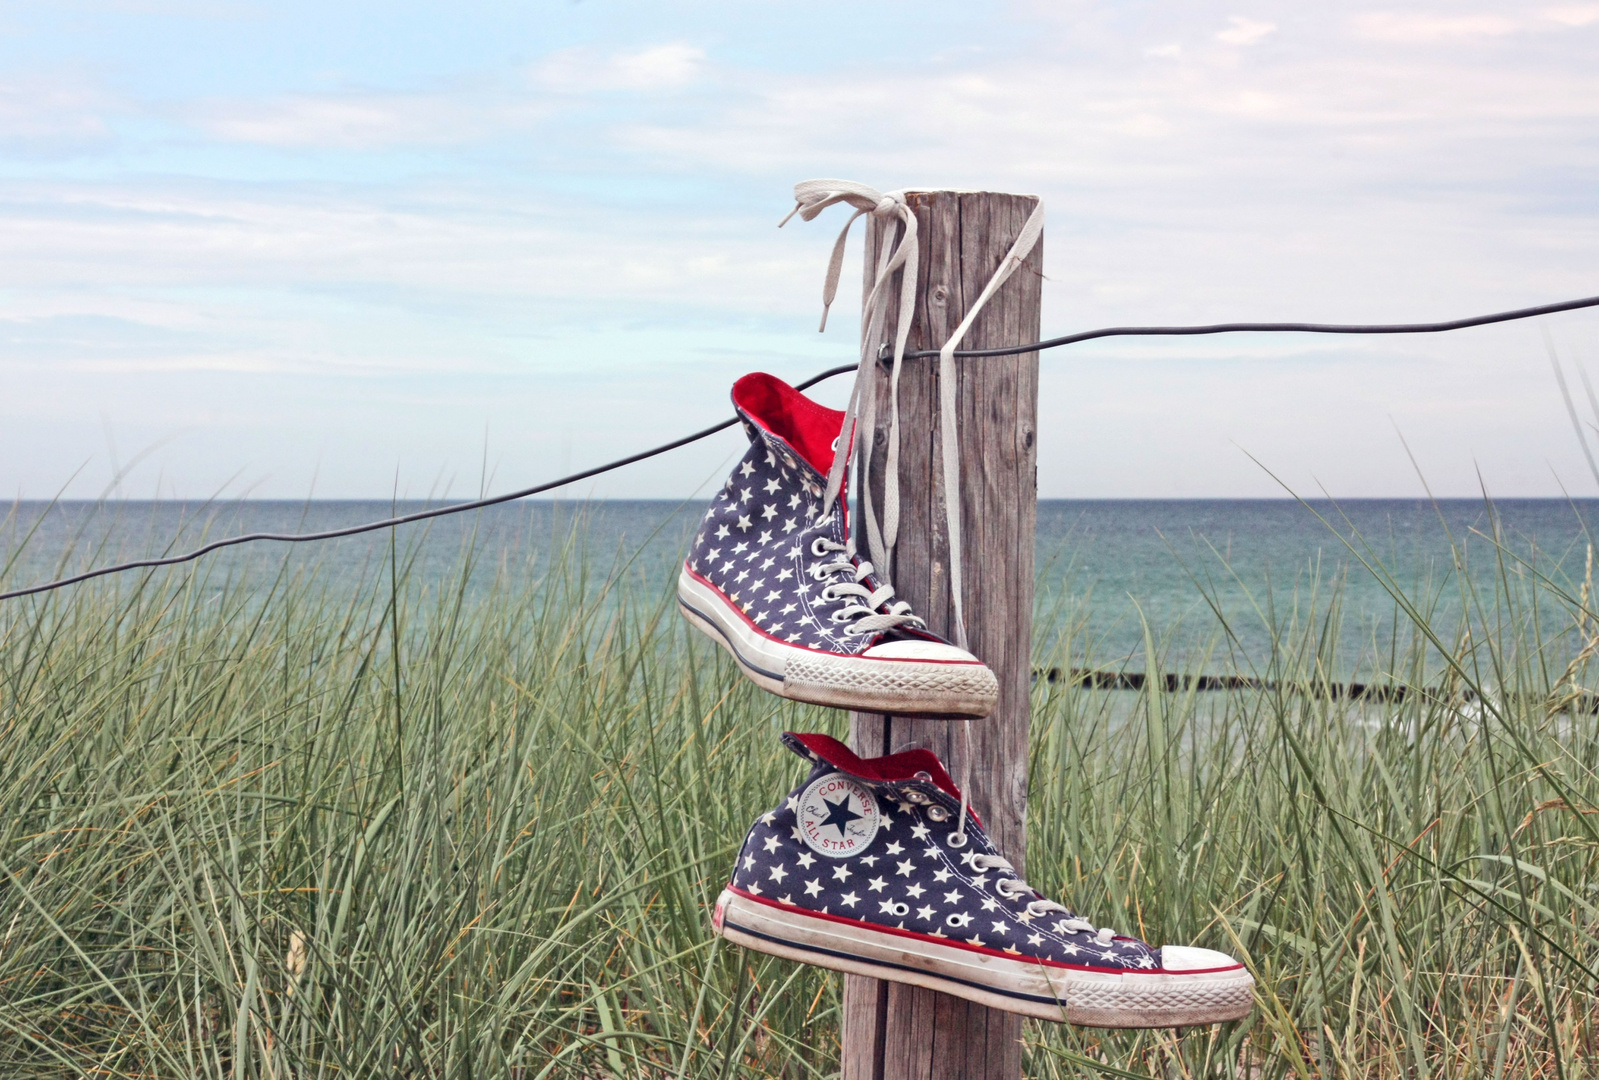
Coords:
pixel 1109 567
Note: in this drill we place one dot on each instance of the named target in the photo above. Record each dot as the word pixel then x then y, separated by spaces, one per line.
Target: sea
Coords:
pixel 1202 582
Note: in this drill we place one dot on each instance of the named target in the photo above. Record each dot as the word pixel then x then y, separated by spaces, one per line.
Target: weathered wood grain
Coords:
pixel 892 1031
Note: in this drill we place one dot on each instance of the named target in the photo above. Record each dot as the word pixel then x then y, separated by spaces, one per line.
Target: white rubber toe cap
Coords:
pixel 1188 958
pixel 917 649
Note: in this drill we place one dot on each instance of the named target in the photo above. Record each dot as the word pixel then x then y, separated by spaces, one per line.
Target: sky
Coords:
pixel 354 250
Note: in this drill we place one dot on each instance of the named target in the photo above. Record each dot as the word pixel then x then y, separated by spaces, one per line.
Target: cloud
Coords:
pixel 1421 27
pixel 661 67
pixel 1164 52
pixel 1245 31
pixel 55 114
pixel 1572 14
pixel 362 121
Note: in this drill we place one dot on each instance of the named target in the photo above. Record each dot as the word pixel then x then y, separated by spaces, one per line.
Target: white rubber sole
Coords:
pixel 923 688
pixel 1087 998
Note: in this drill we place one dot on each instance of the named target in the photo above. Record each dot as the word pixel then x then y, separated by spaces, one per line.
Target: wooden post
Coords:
pixel 892 1031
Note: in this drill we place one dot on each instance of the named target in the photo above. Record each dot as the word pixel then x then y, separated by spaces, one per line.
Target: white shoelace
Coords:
pixel 1016 888
pixel 811 197
pixel 863 615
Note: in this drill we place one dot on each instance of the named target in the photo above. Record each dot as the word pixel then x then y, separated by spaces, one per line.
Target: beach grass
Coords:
pixel 414 827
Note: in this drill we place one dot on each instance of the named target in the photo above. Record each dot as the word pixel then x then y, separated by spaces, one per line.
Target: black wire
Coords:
pixel 1274 327
pixel 1013 350
pixel 420 515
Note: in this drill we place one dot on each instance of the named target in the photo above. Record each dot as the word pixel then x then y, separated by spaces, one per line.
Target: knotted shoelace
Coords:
pixel 811 197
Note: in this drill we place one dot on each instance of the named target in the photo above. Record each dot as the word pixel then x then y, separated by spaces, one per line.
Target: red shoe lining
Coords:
pixel 779 408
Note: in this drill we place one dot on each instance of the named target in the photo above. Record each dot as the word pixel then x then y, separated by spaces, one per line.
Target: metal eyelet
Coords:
pixel 937 813
pixel 917 797
pixel 902 909
pixel 954 919
pixel 954 836
pixel 816 547
pixel 838 617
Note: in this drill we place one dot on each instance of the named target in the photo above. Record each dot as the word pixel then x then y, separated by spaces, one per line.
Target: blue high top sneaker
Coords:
pixel 866 868
pixel 776 582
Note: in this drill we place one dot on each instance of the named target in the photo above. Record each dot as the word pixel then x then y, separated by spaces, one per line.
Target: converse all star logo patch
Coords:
pixel 838 817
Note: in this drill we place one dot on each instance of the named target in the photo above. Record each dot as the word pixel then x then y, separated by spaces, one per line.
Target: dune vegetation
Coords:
pixel 419 828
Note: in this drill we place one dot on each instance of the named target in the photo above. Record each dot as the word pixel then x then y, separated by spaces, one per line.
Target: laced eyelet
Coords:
pixel 816 546
pixel 828 595
pixel 956 836
pixel 839 617
pixel 937 813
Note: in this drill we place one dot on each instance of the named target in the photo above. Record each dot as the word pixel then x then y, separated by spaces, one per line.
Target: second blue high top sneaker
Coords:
pixel 867 867
pixel 777 583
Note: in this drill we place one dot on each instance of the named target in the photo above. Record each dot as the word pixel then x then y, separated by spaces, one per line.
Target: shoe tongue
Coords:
pixel 891 767
pixel 778 409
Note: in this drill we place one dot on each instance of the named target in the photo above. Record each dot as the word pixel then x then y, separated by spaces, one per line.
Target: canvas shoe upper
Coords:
pixel 864 869
pixel 777 582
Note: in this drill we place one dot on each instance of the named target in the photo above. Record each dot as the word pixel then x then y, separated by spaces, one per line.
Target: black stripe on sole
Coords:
pixel 731 647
